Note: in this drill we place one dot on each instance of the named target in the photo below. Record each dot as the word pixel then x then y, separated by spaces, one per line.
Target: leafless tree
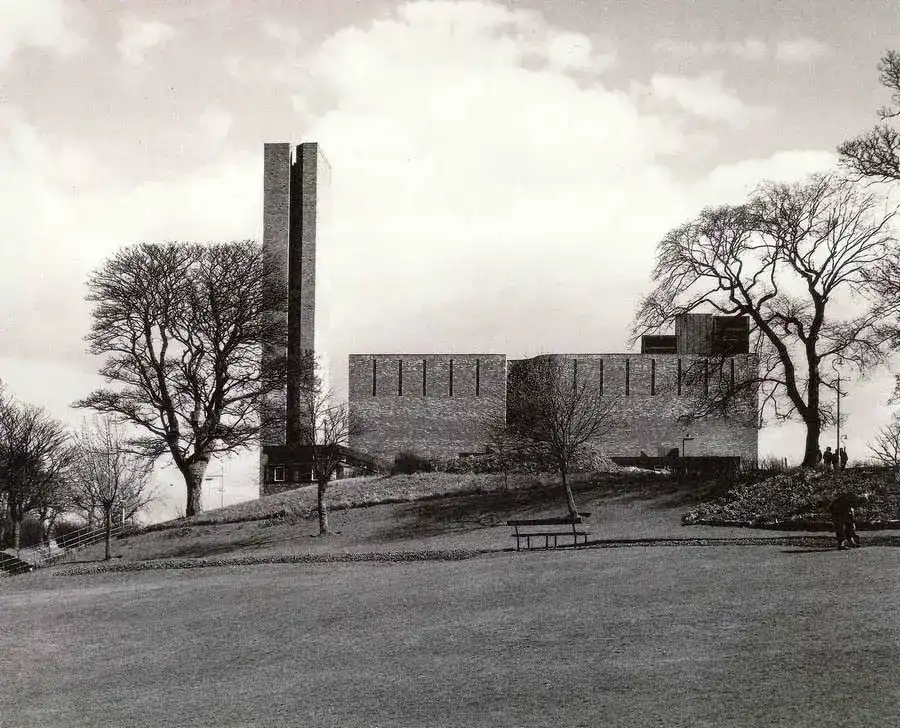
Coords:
pixel 326 430
pixel 557 411
pixel 35 452
pixel 107 477
pixel 876 154
pixel 784 259
pixel 886 446
pixel 182 327
pixel 54 500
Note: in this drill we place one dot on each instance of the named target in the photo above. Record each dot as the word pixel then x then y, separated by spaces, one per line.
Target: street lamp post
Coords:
pixel 837 439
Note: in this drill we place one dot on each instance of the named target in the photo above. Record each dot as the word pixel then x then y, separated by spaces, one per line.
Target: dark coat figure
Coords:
pixel 843 456
pixel 828 457
pixel 843 516
pixel 818 456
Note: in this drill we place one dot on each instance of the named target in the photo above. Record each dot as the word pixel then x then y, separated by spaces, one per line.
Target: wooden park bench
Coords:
pixel 524 530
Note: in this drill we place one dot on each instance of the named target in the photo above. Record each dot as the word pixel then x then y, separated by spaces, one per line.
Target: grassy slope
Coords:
pixel 621 507
pixel 640 637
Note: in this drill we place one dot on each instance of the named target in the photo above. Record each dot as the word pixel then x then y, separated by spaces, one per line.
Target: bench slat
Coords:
pixel 567 521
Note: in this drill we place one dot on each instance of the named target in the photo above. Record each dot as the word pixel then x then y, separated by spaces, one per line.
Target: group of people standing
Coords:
pixel 833 460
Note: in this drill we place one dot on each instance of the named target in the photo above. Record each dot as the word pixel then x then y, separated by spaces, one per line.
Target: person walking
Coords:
pixel 843 456
pixel 843 517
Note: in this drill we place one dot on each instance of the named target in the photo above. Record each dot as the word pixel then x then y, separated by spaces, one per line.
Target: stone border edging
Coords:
pixel 346 557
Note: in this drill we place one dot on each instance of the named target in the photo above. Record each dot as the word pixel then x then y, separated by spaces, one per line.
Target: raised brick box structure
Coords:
pixel 443 405
pixel 438 405
pixel 405 402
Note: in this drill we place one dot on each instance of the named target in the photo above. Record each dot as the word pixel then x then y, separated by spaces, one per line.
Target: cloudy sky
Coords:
pixel 501 171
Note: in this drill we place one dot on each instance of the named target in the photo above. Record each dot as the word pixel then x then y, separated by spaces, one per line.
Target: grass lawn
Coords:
pixel 631 637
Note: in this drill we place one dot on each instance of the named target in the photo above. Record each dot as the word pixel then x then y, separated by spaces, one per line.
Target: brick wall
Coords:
pixel 438 424
pixel 649 404
pixel 432 404
pixel 276 249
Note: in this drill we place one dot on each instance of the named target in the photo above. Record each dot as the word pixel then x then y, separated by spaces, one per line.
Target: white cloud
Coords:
pixel 575 51
pixel 801 50
pixel 732 183
pixel 44 24
pixel 285 34
pixel 792 50
pixel 706 96
pixel 59 207
pixel 215 124
pixel 751 49
pixel 139 36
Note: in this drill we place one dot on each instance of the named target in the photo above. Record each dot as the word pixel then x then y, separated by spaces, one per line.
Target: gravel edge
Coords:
pixel 387 556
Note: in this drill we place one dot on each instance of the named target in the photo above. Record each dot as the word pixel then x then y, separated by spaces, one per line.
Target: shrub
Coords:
pixel 66 530
pixel 30 534
pixel 407 463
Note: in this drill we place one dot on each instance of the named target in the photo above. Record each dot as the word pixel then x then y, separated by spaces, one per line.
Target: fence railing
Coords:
pixel 35 557
pixel 10 565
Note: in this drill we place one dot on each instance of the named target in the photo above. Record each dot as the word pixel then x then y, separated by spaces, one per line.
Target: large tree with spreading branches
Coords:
pixel 876 154
pixel 795 259
pixel 182 328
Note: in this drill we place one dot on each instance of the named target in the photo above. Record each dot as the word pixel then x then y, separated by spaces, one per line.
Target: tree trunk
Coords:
pixel 107 524
pixel 573 509
pixel 193 477
pixel 323 509
pixel 811 452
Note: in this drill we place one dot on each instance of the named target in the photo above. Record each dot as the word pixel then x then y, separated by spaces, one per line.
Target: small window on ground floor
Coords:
pixel 278 474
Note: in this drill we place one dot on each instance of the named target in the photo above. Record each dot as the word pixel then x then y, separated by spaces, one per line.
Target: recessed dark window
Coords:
pixel 451 377
pixel 400 377
pixel 627 377
pixel 478 377
pixel 678 377
pixel 374 377
pixel 424 377
pixel 653 376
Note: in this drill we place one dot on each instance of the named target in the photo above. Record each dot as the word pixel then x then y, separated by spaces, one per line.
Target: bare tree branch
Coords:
pixel 782 259
pixel 182 327
pixel 557 411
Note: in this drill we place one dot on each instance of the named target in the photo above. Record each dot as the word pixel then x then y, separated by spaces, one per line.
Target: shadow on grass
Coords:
pixel 460 514
pixel 808 551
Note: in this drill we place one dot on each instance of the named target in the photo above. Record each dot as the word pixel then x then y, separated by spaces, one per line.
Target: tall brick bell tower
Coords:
pixel 291 184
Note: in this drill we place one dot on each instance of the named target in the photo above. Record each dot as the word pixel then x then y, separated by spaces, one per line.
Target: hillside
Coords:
pixel 434 513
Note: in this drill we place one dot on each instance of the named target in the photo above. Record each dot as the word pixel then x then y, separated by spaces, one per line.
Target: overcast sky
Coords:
pixel 501 171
